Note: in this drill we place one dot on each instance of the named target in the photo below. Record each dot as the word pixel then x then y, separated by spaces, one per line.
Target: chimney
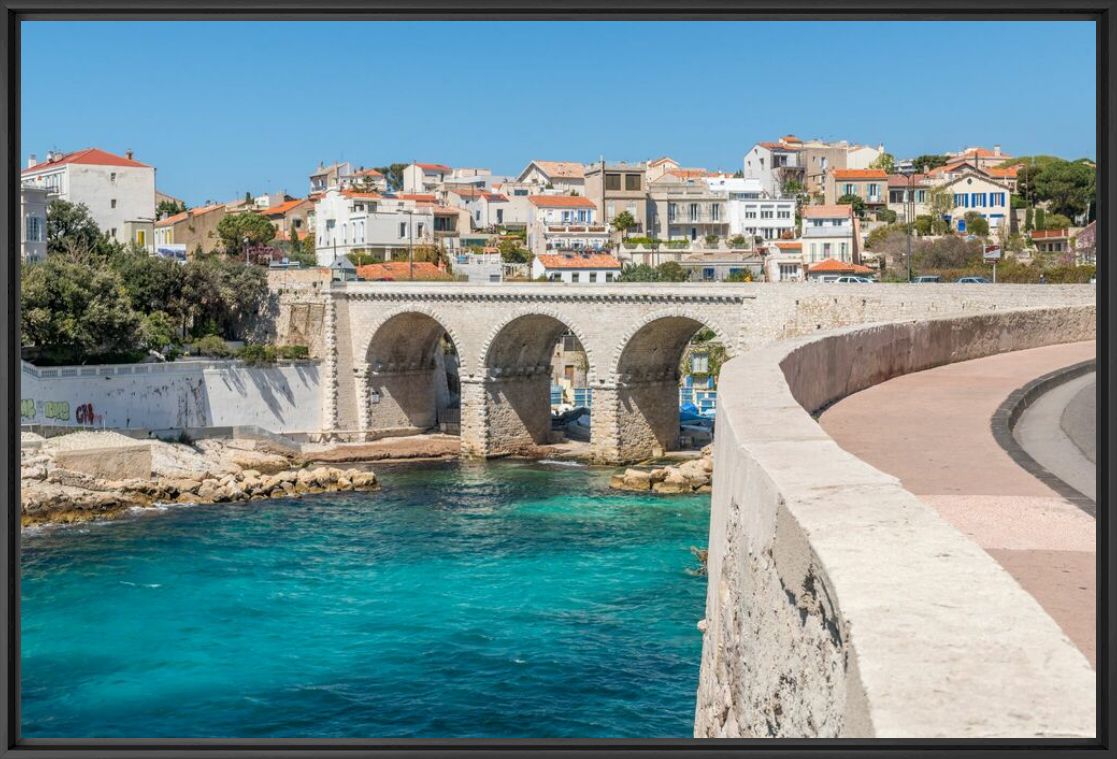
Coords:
pixel 32 161
pixel 996 150
pixel 128 154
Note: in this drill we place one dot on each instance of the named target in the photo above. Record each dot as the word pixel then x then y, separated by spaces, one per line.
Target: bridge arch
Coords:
pixel 515 361
pixel 645 365
pixel 408 381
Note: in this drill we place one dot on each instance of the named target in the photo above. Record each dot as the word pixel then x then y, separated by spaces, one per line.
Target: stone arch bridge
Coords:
pixel 381 339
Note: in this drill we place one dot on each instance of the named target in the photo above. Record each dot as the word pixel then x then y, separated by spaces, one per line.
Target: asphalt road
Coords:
pixel 1080 419
pixel 1051 428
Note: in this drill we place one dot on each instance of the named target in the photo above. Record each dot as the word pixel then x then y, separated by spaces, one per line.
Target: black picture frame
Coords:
pixel 1103 12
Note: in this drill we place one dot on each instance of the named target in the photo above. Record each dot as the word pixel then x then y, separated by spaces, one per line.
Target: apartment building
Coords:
pixel 33 227
pixel 775 164
pixel 560 176
pixel 830 231
pixel 291 215
pixel 382 225
pixel 425 177
pixel 980 157
pixel 686 209
pixel 581 267
pixel 191 231
pixel 119 191
pixel 565 223
pixel 871 185
pixel 332 177
pixel 617 188
pixel 752 211
pixel 902 190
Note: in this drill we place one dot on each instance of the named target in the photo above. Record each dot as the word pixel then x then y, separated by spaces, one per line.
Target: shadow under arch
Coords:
pixel 648 377
pixel 412 381
pixel 517 368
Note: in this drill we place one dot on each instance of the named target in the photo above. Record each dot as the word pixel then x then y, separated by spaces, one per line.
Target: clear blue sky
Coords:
pixel 224 107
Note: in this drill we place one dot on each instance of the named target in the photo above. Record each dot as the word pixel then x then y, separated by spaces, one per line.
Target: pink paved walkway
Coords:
pixel 932 430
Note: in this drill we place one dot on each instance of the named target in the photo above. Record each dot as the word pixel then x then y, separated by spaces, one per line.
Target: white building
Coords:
pixel 772 164
pixel 560 176
pixel 350 221
pixel 565 223
pixel 576 268
pixel 978 193
pixel 425 177
pixel 33 230
pixel 830 232
pixel 752 211
pixel 118 190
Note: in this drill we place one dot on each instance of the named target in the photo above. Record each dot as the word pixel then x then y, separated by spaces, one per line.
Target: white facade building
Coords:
pixel 979 194
pixel 576 268
pixel 753 212
pixel 33 229
pixel 561 176
pixel 565 223
pixel 425 177
pixel 349 221
pixel 118 191
pixel 829 232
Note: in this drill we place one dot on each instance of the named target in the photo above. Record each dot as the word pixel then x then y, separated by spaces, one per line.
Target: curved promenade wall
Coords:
pixel 839 605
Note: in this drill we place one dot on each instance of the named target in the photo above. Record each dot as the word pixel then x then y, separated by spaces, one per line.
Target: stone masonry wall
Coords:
pixel 840 605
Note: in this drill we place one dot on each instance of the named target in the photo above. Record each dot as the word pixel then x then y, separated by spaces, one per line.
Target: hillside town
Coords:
pixel 796 211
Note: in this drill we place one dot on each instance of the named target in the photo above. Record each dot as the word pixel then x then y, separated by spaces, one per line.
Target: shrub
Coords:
pixel 256 355
pixel 293 352
pixel 712 240
pixel 212 346
pixel 738 241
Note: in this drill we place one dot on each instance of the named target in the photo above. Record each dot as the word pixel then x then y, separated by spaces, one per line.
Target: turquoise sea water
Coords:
pixel 492 600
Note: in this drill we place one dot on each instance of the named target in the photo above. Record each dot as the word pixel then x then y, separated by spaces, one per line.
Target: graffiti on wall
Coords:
pixel 59 410
pixel 27 408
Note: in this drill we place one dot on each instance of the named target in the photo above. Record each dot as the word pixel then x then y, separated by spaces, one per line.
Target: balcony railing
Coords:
pixel 845 230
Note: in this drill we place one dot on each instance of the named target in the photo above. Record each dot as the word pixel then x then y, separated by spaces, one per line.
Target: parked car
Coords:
pixel 851 280
pixel 973 281
pixel 926 278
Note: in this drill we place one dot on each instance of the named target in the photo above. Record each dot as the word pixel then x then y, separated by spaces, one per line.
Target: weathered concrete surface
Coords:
pixel 1079 420
pixel 1042 430
pixel 931 430
pixel 117 463
pixel 633 336
pixel 839 603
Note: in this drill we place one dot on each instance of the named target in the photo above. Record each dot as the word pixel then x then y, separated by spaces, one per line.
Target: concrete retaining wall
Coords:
pixel 282 398
pixel 840 605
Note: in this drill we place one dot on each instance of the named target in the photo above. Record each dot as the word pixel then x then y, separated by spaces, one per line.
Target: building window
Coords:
pixel 694 212
pixel 844 249
pixel 112 203
pixel 715 212
pixel 784 214
pixel 608 276
pixel 141 237
pixel 612 181
pixel 593 276
pixel 632 182
pixel 34 229
pixel 765 213
pixel 112 177
pixel 874 191
pixel 672 210
pixel 402 229
pixel 574 277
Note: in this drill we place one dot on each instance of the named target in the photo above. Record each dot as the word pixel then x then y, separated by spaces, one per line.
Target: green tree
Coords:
pixel 671 271
pixel 71 229
pixel 638 273
pixel 157 332
pixel 923 224
pixel 623 222
pixel 1029 220
pixel 223 294
pixel 1041 219
pixel 512 251
pixel 1066 187
pixel 1056 221
pixel 152 283
pixel 169 208
pixel 235 228
pixel 976 225
pixel 887 215
pixel 75 311
pixel 393 174
pixel 929 161
pixel 884 161
pixel 855 201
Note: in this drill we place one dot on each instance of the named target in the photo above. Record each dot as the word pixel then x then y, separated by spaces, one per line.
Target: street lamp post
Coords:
pixel 410 242
pixel 907 168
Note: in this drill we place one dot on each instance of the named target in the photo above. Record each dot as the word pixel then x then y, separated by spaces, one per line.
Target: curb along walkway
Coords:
pixel 932 430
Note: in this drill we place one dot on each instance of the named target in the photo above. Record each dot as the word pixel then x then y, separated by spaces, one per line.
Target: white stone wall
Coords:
pixel 839 604
pixel 170 396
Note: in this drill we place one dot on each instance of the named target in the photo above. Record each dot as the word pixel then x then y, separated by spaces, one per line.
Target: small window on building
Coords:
pixel 112 203
pixel 593 276
pixel 112 177
pixel 632 182
pixel 612 181
pixel 574 277
pixel 403 229
pixel 141 238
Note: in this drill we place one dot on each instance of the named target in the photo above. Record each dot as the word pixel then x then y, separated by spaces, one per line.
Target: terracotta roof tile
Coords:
pixel 562 169
pixel 832 266
pixel 400 271
pixel 561 201
pixel 92 156
pixel 860 174
pixel 578 261
pixel 840 210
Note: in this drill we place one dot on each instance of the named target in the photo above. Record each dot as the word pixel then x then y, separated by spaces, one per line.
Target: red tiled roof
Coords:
pixel 860 174
pixel 563 169
pixel 401 271
pixel 833 266
pixel 901 181
pixel 688 173
pixel 1049 234
pixel 417 197
pixel 282 208
pixel 578 261
pixel 92 156
pixel 362 195
pixel 179 217
pixel 367 173
pixel 561 201
pixel 827 212
pixel 789 245
pixel 779 146
pixel 1007 172
pixel 440 168
pixel 495 196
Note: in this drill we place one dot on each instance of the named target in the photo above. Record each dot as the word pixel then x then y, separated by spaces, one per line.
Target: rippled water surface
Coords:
pixel 499 600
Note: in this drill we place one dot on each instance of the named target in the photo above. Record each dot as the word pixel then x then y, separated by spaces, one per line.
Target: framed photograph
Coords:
pixel 389 379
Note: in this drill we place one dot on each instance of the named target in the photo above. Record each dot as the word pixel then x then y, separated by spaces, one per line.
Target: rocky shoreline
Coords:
pixel 694 476
pixel 59 487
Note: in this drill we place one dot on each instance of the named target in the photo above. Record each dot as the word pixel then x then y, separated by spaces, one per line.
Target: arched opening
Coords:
pixel 413 384
pixel 667 364
pixel 536 385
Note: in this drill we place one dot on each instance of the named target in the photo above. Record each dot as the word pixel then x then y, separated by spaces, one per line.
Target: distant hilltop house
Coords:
pixel 561 176
pixel 806 163
pixel 119 191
